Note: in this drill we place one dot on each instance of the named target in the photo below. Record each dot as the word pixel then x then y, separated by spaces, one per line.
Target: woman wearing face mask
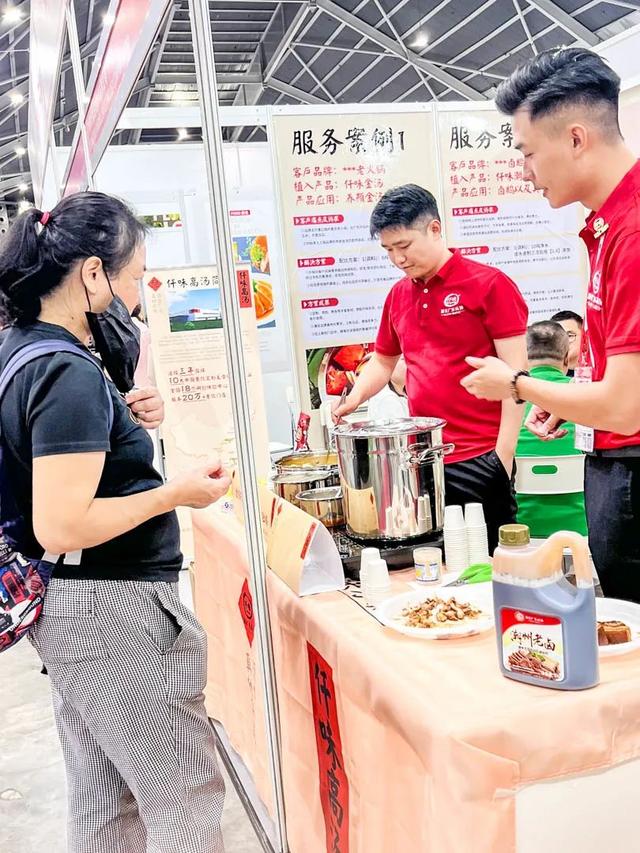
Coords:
pixel 127 661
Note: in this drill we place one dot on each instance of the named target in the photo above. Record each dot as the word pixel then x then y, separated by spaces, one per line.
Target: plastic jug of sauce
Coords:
pixel 546 627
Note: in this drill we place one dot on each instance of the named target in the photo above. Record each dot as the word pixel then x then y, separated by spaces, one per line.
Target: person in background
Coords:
pixel 445 304
pixel 127 661
pixel 572 324
pixel 391 402
pixel 564 105
pixel 548 350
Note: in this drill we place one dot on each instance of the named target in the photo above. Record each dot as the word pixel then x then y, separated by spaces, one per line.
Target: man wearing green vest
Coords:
pixel 548 351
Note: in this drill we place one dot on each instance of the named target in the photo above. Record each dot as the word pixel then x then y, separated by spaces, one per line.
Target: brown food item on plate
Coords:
pixel 436 613
pixel 613 632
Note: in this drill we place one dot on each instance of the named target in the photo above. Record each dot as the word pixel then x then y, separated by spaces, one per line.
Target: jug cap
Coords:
pixel 514 534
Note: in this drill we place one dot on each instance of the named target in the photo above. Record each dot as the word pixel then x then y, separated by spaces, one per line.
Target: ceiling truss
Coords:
pixel 310 51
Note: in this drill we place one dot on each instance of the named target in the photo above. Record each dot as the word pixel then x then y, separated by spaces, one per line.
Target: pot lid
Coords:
pixel 389 428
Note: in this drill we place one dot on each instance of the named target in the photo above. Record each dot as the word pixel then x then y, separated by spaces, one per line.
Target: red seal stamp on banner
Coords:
pixel 245 603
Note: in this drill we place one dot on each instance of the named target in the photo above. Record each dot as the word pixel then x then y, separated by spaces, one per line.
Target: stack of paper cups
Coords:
pixel 367 555
pixel 477 541
pixel 456 553
pixel 377 585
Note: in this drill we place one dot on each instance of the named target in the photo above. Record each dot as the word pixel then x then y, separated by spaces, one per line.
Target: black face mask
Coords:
pixel 117 341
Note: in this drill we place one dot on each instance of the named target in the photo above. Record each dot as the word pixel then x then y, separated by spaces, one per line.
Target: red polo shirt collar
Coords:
pixel 615 205
pixel 449 268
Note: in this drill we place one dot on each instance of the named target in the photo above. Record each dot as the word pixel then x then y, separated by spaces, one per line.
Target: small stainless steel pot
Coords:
pixel 324 504
pixel 307 460
pixel 392 475
pixel 291 483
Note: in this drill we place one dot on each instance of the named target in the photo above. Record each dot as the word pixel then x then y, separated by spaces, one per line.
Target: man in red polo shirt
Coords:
pixel 445 304
pixel 564 105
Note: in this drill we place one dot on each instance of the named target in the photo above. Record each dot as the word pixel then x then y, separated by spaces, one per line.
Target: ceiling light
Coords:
pixel 16 98
pixel 20 151
pixel 23 187
pixel 421 41
pixel 108 19
pixel 11 15
pixel 183 133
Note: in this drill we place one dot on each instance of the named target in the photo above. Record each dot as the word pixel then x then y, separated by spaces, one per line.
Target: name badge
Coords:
pixel 585 436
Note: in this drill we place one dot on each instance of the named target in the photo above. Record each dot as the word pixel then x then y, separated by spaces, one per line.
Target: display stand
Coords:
pixel 272 833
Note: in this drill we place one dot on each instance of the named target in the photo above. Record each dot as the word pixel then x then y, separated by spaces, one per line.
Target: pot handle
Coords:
pixel 430 453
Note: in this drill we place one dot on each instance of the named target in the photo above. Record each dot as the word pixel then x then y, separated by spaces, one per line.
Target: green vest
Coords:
pixel 546 514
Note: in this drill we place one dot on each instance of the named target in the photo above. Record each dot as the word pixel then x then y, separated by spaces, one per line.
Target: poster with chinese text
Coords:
pixel 187 340
pixel 253 233
pixel 630 117
pixel 332 169
pixel 496 217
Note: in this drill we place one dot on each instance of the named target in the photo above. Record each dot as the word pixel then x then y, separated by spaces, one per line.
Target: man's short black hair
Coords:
pixel 563 77
pixel 403 207
pixel 547 341
pixel 568 315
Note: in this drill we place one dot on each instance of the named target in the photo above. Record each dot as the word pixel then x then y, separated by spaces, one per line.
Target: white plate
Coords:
pixel 390 612
pixel 608 609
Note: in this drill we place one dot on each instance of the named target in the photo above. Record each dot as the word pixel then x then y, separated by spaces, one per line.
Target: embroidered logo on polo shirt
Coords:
pixel 593 300
pixel 452 305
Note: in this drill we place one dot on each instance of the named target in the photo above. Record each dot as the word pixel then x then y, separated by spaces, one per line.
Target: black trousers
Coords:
pixel 612 501
pixel 483 480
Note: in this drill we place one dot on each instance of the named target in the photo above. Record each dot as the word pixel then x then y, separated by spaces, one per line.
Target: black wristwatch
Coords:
pixel 514 385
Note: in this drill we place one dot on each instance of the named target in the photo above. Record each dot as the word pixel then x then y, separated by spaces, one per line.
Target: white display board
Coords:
pixel 132 172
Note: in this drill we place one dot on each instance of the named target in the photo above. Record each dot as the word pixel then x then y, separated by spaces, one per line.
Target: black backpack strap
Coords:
pixel 38 349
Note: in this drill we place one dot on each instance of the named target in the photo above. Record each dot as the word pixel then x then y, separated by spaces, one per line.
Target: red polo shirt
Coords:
pixel 612 238
pixel 460 311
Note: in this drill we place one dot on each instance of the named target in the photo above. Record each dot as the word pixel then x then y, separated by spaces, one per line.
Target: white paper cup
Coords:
pixel 474 514
pixel 456 551
pixel 366 556
pixel 373 597
pixel 377 574
pixel 477 534
pixel 453 517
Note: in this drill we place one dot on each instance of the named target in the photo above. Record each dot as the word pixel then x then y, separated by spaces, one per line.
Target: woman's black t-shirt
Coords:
pixel 59 404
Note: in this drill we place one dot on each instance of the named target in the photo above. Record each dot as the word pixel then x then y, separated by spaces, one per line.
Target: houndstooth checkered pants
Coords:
pixel 128 664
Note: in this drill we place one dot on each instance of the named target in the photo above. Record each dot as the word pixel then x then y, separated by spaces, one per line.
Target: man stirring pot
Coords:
pixel 444 303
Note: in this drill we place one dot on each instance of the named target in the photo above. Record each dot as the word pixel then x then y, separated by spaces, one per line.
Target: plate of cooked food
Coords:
pixel 438 614
pixel 618 626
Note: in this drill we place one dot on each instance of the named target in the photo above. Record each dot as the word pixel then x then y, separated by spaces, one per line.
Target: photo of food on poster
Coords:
pixel 254 251
pixel 493 215
pixel 255 244
pixel 332 370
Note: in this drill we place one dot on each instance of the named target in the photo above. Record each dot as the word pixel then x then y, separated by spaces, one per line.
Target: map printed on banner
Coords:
pixel 332 171
pixel 497 218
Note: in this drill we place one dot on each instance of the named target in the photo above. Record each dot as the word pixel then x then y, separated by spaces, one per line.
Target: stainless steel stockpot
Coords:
pixel 392 475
